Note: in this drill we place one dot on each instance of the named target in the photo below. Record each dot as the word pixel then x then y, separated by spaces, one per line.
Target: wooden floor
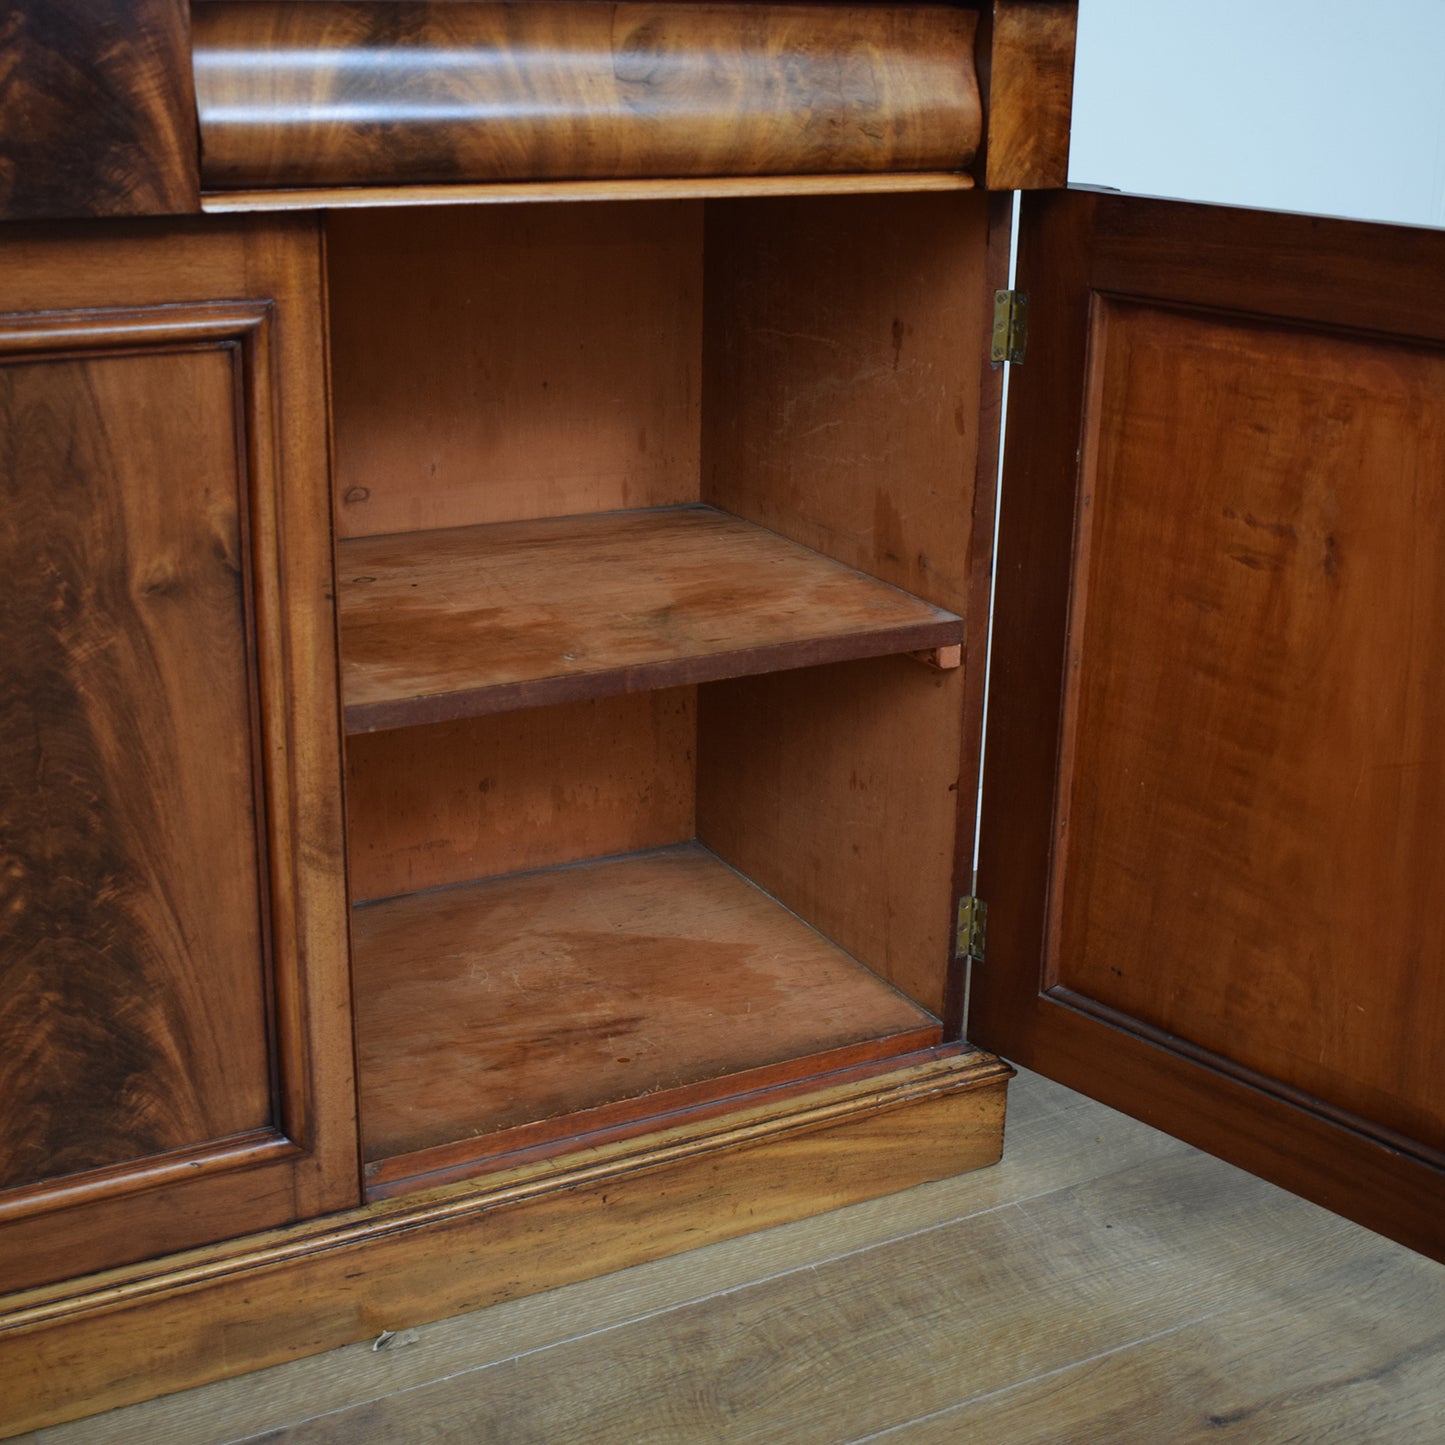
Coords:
pixel 1104 1283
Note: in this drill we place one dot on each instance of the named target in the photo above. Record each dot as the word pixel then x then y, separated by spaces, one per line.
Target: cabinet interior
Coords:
pixel 654 526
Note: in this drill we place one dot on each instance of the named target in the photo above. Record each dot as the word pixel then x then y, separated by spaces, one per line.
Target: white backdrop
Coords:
pixel 1335 107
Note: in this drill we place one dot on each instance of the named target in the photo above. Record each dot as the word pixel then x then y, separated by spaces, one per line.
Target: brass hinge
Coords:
pixel 968 940
pixel 1010 326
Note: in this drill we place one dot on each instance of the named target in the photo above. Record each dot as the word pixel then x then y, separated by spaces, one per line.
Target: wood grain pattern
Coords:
pixel 327 94
pixel 484 619
pixel 132 1015
pixel 396 1263
pixel 98 109
pixel 489 366
pixel 171 808
pixel 540 995
pixel 472 799
pixel 1308 477
pixel 1026 68
pixel 1054 1139
pixel 1254 681
pixel 836 789
pixel 846 416
pixel 516 192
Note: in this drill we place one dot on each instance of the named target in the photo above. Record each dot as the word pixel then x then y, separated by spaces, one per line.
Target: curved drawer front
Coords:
pixel 322 93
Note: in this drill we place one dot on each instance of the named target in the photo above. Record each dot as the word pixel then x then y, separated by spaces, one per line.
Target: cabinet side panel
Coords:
pixel 99 107
pixel 836 790
pixel 845 341
pixel 132 1014
pixel 491 364
pixel 460 801
pixel 1028 71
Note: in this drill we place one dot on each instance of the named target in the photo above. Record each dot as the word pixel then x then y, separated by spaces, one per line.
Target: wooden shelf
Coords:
pixel 650 982
pixel 472 620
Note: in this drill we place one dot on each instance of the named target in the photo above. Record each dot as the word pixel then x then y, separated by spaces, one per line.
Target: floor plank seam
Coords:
pixel 1033 1379
pixel 648 1315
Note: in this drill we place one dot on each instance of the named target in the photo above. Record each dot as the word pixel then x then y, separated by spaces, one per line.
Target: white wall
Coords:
pixel 1335 107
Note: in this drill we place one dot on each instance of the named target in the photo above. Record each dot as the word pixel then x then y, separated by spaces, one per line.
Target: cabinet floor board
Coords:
pixel 472 620
pixel 534 996
pixel 1103 1282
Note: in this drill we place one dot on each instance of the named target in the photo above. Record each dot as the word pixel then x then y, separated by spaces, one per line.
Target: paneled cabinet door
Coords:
pixel 1214 785
pixel 175 1049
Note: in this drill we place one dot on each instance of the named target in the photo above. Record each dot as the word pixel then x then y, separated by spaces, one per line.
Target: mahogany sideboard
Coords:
pixel 498 566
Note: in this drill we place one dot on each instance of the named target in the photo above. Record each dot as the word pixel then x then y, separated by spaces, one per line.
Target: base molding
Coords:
pixel 117 1338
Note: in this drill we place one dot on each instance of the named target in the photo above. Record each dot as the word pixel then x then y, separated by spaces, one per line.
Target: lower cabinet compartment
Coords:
pixel 636 961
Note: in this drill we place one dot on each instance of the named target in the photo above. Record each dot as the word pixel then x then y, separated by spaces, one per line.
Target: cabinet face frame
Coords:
pixel 249 295
pixel 1105 274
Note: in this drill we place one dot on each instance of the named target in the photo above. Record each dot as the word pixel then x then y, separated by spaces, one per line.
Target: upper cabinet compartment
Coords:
pixel 325 94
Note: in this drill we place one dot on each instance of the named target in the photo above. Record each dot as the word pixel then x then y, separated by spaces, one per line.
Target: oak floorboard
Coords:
pixel 1337 1357
pixel 1086 1255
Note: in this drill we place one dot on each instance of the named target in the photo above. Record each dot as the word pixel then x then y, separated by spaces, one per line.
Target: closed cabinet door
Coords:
pixel 175 1049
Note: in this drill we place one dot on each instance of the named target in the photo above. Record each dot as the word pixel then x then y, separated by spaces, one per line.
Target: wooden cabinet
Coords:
pixel 628 607
pixel 620 566
pixel 654 568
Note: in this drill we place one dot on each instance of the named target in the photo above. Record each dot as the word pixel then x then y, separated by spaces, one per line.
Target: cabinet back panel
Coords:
pixel 132 979
pixel 491 364
pixel 459 801
pixel 836 790
pixel 845 343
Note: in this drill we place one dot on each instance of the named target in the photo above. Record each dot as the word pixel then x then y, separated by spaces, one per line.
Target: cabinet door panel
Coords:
pixel 168 932
pixel 1212 802
pixel 131 1016
pixel 1255 697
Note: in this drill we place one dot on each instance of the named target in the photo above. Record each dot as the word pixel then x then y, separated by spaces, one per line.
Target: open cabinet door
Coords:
pixel 1214 803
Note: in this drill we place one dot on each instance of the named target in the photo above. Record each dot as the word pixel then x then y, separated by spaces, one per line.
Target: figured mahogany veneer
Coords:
pixel 315 94
pixel 175 1057
pixel 99 118
pixel 472 620
pixel 1026 70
